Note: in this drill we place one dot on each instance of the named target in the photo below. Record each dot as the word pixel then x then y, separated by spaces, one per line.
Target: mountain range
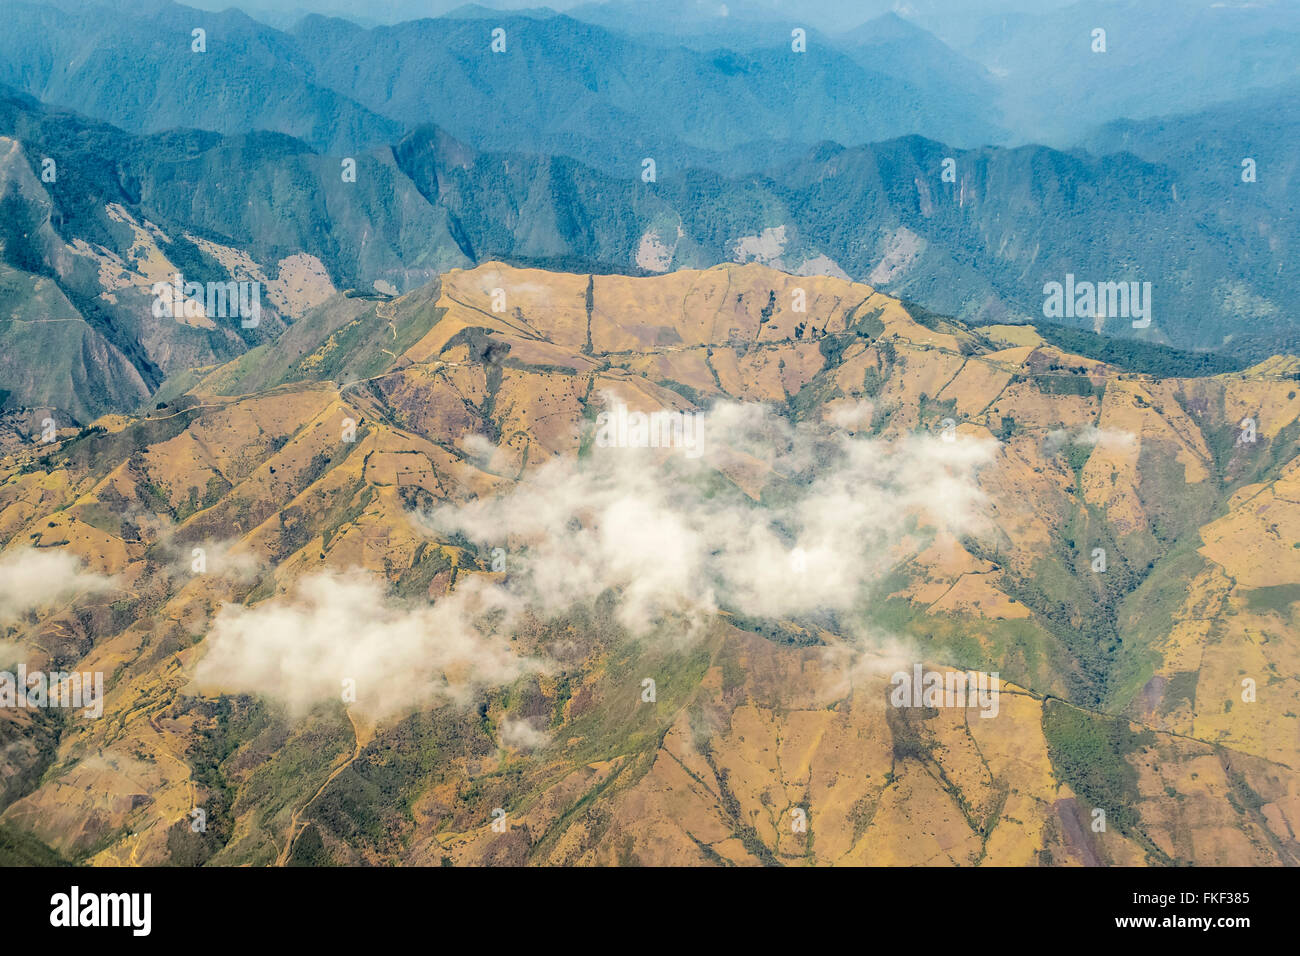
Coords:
pixel 561 86
pixel 686 436
pixel 391 486
pixel 127 210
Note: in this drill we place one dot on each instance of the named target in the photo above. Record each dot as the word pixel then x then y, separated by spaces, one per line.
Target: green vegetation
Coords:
pixel 1277 599
pixel 1064 383
pixel 1134 355
pixel 19 848
pixel 1089 752
pixel 1180 690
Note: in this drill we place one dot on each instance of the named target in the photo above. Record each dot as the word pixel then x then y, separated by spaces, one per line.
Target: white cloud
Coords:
pixel 652 527
pixel 1091 435
pixel 227 559
pixel 649 525
pixel 31 579
pixel 336 627
pixel 520 734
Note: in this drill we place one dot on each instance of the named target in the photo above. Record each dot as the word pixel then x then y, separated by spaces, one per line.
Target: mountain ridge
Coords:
pixel 474 407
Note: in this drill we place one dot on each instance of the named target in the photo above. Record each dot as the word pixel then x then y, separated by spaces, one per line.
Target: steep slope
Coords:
pixel 578 90
pixel 980 244
pixel 94 218
pixel 1238 163
pixel 138 69
pixel 124 212
pixel 560 86
pixel 426 479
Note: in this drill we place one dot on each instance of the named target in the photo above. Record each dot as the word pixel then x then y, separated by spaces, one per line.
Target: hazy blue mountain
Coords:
pixel 568 87
pixel 906 51
pixel 886 44
pixel 693 22
pixel 1211 150
pixel 1205 143
pixel 140 73
pixel 1162 56
pixel 562 86
pixel 616 81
